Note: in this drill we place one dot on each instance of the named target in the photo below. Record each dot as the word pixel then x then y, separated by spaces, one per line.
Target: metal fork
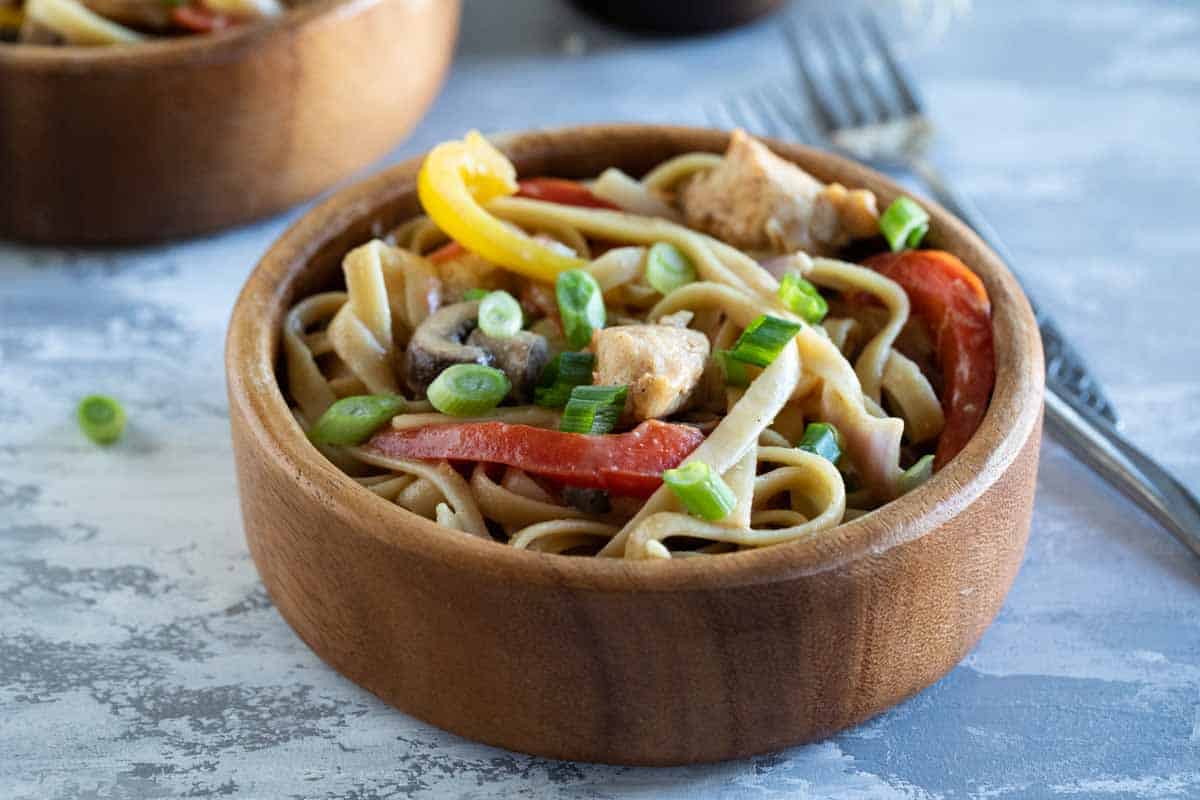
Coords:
pixel 854 95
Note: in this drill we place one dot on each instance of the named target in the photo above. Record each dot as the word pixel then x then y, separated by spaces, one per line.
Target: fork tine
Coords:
pixel 714 116
pixel 800 127
pixel 826 115
pixel 860 61
pixel 833 50
pixel 904 85
pixel 776 125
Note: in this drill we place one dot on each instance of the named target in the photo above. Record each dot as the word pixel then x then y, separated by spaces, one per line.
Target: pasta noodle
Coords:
pixel 493 471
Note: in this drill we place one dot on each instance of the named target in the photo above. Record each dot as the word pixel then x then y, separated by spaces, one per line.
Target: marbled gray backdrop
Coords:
pixel 140 658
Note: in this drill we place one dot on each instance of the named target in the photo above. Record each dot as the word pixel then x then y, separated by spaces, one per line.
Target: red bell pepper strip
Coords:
pixel 560 190
pixel 624 463
pixel 198 19
pixel 447 252
pixel 953 301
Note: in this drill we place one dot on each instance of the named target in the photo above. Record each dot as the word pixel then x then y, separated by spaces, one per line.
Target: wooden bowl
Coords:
pixel 605 660
pixel 182 136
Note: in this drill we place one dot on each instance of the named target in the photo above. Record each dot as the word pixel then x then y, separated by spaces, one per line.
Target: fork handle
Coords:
pixel 1065 368
pixel 1127 468
pixel 1083 429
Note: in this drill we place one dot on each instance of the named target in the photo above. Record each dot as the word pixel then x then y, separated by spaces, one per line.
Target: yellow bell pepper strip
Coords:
pixel 457 180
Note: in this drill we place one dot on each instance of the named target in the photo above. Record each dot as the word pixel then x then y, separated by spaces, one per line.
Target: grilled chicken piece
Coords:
pixel 470 271
pixel 756 200
pixel 661 365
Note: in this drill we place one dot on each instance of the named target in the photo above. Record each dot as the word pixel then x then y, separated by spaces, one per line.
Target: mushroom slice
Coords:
pixel 522 356
pixel 439 342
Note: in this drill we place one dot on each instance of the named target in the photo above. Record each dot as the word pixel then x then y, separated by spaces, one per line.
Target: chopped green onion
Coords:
pixel 101 418
pixel 500 315
pixel 761 342
pixel 904 224
pixel 917 474
pixel 822 439
pixel 734 370
pixel 802 298
pixel 564 372
pixel 581 304
pixel 613 395
pixel 701 490
pixel 593 409
pixel 465 390
pixel 352 420
pixel 668 268
pixel 471 295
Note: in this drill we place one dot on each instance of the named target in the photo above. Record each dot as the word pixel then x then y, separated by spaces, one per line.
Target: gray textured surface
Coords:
pixel 140 658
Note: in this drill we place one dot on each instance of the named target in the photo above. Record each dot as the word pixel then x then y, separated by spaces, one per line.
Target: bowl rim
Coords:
pixel 161 51
pixel 257 399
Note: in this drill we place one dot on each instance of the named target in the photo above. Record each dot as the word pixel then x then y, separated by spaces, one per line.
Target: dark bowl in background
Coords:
pixel 679 16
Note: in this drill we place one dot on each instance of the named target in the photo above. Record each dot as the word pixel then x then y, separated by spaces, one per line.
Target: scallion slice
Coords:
pixel 703 493
pixel 581 305
pixel 593 409
pixel 471 295
pixel 668 268
pixel 564 372
pixel 465 390
pixel 734 370
pixel 802 298
pixel 904 224
pixel 500 315
pixel 352 420
pixel 917 474
pixel 822 439
pixel 762 340
pixel 101 418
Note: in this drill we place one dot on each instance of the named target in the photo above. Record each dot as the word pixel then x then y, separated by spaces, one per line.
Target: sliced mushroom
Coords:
pixel 438 343
pixel 589 501
pixel 522 356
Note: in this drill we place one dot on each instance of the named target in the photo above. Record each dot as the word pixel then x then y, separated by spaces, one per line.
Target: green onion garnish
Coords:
pixel 564 372
pixel 471 295
pixel 668 268
pixel 802 298
pixel 500 315
pixel 352 420
pixel 917 474
pixel 101 418
pixel 761 342
pixel 593 409
pixel 465 390
pixel 701 490
pixel 582 306
pixel 904 224
pixel 734 370
pixel 822 439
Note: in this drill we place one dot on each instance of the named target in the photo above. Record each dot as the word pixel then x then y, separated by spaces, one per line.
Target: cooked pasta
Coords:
pixel 122 22
pixel 570 367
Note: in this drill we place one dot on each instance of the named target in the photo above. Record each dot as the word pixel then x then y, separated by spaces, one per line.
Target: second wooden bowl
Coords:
pixel 184 136
pixel 604 660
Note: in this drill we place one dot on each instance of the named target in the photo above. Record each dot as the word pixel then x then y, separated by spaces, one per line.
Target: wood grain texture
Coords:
pixel 597 660
pixel 178 137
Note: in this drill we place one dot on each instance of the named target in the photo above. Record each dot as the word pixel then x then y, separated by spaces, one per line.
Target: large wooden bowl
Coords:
pixel 612 661
pixel 183 136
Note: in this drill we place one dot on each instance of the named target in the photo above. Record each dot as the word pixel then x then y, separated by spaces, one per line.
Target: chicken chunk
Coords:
pixel 661 365
pixel 758 201
pixel 470 271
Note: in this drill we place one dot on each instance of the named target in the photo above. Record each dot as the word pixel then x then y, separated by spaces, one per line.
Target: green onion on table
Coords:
pixel 101 418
